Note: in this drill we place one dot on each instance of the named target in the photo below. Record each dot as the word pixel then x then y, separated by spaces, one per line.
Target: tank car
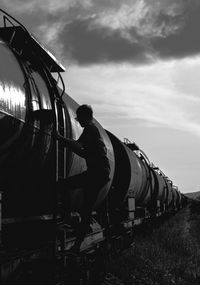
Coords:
pixel 32 109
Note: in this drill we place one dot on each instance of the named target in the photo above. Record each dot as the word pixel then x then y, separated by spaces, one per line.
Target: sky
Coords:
pixel 137 63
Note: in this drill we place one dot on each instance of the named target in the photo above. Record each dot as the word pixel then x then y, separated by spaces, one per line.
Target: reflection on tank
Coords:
pixel 12 101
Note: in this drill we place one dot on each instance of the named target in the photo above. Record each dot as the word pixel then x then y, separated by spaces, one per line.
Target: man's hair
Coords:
pixel 85 111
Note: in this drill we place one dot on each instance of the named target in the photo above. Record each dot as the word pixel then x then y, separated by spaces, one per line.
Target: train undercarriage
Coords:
pixel 35 259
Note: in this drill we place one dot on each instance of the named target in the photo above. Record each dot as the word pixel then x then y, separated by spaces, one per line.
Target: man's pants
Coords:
pixel 91 184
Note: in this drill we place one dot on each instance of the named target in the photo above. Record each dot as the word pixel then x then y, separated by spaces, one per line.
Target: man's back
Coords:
pixel 95 149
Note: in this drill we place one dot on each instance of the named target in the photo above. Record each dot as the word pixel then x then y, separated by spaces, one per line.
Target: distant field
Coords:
pixel 167 255
pixel 193 195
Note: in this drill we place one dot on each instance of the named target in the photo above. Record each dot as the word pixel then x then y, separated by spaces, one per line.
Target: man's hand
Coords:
pixel 62 139
pixel 74 145
pixel 58 136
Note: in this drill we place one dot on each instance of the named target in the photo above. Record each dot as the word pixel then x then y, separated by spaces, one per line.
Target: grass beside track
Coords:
pixel 166 255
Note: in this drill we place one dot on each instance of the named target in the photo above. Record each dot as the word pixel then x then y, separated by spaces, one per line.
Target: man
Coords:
pixel 90 146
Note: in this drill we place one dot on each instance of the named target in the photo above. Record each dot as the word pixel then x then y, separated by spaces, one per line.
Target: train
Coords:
pixel 33 107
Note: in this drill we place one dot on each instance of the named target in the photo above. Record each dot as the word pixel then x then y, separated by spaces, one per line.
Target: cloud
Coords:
pixel 121 34
pixel 144 18
pixel 138 32
pixel 50 34
pixel 47 6
pixel 145 94
pixel 89 45
pixel 186 42
pixel 91 31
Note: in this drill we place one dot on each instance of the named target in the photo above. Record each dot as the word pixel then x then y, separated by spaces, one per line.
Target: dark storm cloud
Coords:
pixel 186 42
pixel 98 45
pixel 158 34
pixel 93 31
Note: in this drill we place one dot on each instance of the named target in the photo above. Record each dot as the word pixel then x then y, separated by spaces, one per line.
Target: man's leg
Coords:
pixel 64 188
pixel 91 191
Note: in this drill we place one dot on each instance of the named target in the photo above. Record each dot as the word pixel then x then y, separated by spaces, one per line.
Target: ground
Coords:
pixel 166 255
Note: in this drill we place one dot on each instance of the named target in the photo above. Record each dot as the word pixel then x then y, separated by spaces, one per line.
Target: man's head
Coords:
pixel 84 114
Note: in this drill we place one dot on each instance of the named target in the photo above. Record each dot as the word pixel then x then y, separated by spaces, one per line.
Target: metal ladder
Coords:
pixel 60 151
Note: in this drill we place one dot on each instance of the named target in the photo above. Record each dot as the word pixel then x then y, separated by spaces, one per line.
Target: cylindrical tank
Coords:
pixel 161 188
pixel 26 152
pixel 131 178
pixel 13 104
pixel 179 199
pixel 176 195
pixel 169 196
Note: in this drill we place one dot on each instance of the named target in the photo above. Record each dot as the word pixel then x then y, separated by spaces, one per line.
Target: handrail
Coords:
pixel 4 17
pixel 63 84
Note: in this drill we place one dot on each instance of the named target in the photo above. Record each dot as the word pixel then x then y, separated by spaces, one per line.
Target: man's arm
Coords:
pixel 74 145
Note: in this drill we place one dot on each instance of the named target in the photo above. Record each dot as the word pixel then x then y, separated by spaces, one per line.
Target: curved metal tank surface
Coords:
pixel 13 106
pixel 131 176
pixel 161 190
pixel 169 198
pixel 175 196
pixel 25 142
